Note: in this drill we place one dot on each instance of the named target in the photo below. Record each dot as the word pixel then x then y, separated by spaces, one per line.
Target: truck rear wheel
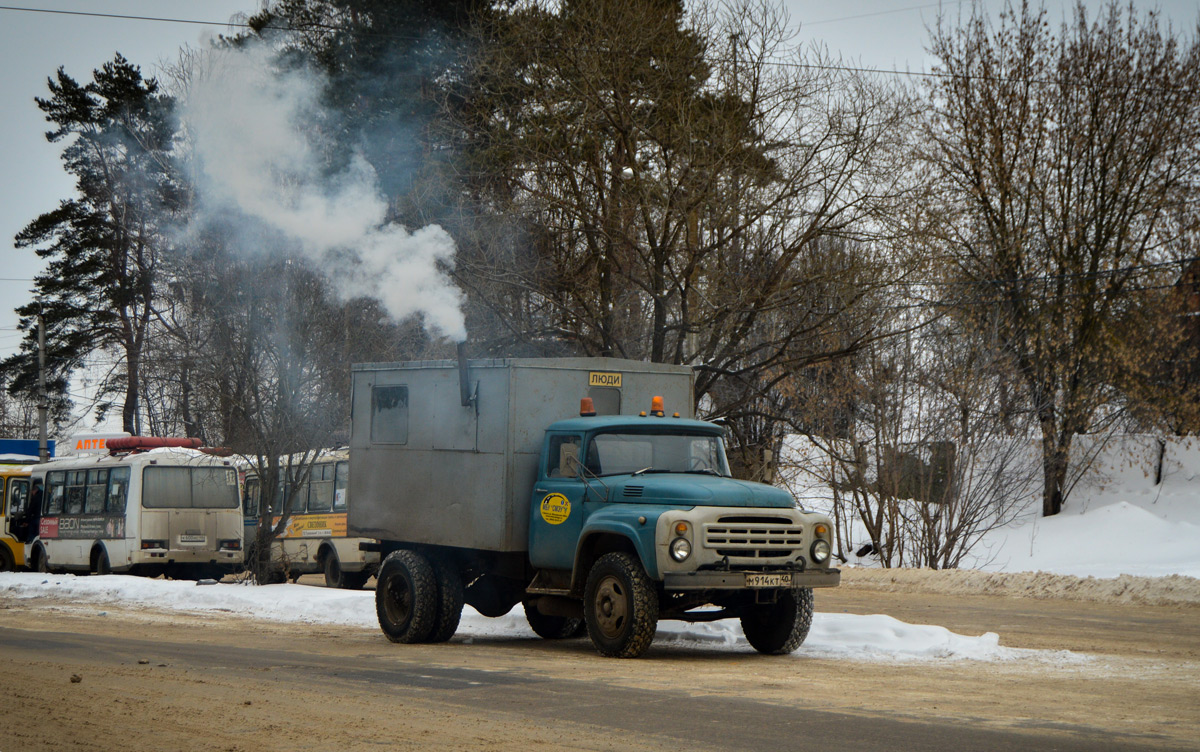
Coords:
pixel 551 627
pixel 779 628
pixel 620 606
pixel 406 597
pixel 449 602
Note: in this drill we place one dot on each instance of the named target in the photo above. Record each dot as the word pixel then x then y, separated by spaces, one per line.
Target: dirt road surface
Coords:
pixel 96 677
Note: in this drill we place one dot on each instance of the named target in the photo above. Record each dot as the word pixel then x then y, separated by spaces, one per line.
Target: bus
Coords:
pixel 315 539
pixel 14 485
pixel 151 506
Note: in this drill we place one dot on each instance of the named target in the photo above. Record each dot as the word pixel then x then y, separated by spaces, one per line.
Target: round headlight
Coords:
pixel 681 549
pixel 820 551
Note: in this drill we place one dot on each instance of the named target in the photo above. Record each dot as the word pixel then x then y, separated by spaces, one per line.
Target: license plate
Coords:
pixel 768 580
pixel 193 540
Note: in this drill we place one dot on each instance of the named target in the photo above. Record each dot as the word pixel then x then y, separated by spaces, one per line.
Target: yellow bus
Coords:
pixel 315 540
pixel 14 482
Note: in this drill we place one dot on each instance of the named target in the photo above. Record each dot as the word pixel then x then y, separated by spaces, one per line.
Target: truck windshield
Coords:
pixel 621 453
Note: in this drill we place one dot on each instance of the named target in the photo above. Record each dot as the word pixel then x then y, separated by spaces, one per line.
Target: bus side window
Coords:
pixel 118 486
pixel 76 487
pixel 18 496
pixel 300 495
pixel 97 489
pixel 55 493
pixel 341 480
pixel 252 497
pixel 320 495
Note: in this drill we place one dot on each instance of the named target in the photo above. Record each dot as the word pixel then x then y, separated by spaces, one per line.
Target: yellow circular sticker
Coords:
pixel 556 508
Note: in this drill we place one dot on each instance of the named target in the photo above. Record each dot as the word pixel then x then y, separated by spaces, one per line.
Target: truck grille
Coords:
pixel 749 537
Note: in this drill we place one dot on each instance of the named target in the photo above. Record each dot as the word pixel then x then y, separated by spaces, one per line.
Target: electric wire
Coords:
pixel 774 62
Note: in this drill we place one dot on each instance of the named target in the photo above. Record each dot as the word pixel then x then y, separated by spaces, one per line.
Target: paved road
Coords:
pixel 192 683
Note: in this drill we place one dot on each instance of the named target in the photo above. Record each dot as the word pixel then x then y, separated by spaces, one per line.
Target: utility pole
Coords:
pixel 43 449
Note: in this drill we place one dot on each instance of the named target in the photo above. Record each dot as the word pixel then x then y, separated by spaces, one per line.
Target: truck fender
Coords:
pixel 613 535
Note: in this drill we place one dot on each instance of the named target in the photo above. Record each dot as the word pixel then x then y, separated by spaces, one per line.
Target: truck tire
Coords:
pixel 406 597
pixel 779 628
pixel 620 606
pixel 449 602
pixel 551 627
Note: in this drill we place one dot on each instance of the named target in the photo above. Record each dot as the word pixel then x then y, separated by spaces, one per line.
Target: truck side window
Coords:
pixel 389 414
pixel 563 457
pixel 606 399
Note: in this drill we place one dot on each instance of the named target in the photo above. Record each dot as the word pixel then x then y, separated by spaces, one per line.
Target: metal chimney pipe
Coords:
pixel 464 375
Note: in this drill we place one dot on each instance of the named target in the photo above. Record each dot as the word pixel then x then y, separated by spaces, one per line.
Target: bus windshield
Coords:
pixel 620 453
pixel 189 488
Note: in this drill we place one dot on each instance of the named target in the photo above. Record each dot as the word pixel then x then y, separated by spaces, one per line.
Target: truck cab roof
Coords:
pixel 635 423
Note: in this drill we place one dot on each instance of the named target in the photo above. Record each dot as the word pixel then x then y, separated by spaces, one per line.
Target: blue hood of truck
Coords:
pixel 695 489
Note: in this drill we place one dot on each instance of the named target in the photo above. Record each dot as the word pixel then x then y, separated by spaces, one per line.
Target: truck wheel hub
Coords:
pixel 612 607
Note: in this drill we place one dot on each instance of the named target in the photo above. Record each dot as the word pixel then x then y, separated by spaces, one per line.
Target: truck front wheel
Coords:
pixel 406 597
pixel 780 627
pixel 620 606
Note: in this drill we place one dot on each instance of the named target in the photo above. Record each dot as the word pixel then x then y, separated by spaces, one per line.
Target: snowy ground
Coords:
pixel 846 636
pixel 1117 522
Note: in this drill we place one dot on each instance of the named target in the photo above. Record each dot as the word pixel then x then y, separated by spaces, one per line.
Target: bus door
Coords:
pixel 13 502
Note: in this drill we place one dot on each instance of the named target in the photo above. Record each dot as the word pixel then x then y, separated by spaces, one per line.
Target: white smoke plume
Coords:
pixel 255 132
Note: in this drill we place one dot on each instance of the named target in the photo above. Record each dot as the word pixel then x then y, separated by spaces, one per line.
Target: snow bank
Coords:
pixel 1134 514
pixel 840 636
pixel 1173 590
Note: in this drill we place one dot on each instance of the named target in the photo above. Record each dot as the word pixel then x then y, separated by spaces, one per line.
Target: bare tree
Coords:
pixel 1060 160
pixel 921 463
pixel 668 187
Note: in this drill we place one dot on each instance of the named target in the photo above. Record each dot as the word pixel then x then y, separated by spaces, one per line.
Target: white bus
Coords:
pixel 150 507
pixel 315 539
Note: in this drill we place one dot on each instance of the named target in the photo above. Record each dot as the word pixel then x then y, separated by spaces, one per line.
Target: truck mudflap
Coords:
pixel 723 580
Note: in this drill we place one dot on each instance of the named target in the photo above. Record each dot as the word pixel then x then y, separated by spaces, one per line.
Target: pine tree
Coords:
pixel 103 244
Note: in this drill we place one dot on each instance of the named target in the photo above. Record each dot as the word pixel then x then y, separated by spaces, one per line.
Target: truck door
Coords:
pixel 556 514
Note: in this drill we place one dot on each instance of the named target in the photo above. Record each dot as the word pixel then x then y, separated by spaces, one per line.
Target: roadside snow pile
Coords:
pixel 1117 521
pixel 1134 515
pixel 843 636
pixel 1172 590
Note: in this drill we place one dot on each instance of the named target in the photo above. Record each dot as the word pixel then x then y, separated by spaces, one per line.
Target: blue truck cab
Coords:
pixel 655 493
pixel 563 485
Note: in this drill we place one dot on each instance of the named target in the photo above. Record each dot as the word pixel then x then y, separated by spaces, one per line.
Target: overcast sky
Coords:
pixel 884 34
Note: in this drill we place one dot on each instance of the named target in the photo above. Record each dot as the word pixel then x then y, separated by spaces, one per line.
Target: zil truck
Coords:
pixel 581 488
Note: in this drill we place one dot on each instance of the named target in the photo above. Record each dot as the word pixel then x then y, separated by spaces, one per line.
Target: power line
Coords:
pixel 387 35
pixel 878 13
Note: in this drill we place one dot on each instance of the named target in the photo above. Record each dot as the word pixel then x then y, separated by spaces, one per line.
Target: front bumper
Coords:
pixel 710 580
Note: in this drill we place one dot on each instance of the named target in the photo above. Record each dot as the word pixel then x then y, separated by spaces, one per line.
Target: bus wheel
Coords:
pixel 100 564
pixel 406 597
pixel 334 576
pixel 7 564
pixel 40 562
